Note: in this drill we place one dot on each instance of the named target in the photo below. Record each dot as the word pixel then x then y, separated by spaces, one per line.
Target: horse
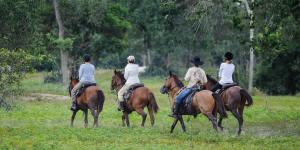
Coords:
pixel 140 98
pixel 234 99
pixel 202 102
pixel 92 98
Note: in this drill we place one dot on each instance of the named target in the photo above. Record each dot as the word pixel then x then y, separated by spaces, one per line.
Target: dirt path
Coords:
pixel 45 96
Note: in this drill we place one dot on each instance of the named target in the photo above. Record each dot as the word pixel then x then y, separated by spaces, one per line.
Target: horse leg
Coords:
pixel 143 114
pixel 123 120
pixel 182 123
pixel 95 114
pixel 73 117
pixel 85 118
pixel 127 119
pixel 213 120
pixel 220 123
pixel 174 124
pixel 239 118
pixel 152 119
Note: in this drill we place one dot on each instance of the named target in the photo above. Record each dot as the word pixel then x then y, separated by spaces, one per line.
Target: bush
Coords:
pixel 13 66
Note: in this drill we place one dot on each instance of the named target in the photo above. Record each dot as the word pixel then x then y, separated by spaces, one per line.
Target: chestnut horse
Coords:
pixel 202 102
pixel 234 99
pixel 139 98
pixel 92 98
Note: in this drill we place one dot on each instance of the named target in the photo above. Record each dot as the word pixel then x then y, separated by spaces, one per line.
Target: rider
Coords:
pixel 86 76
pixel 225 72
pixel 194 76
pixel 132 77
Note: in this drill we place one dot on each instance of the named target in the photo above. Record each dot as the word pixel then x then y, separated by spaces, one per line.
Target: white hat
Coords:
pixel 130 58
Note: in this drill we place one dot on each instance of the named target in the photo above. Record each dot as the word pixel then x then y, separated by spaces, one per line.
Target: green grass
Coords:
pixel 271 123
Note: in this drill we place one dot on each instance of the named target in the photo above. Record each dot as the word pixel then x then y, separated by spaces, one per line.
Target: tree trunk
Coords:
pixel 64 56
pixel 251 63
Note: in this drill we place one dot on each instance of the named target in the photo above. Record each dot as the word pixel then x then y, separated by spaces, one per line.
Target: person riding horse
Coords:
pixel 225 72
pixel 86 76
pixel 132 77
pixel 195 75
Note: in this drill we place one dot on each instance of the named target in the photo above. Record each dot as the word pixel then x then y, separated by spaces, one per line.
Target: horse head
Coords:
pixel 171 83
pixel 118 80
pixel 211 82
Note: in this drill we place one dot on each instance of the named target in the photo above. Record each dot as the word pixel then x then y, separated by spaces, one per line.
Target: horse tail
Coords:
pixel 219 105
pixel 153 105
pixel 101 99
pixel 246 96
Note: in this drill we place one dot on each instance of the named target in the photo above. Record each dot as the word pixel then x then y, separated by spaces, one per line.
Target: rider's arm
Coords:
pixel 80 72
pixel 188 75
pixel 220 70
pixel 126 74
pixel 204 78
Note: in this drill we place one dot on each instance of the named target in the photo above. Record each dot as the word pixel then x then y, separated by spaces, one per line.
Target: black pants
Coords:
pixel 216 87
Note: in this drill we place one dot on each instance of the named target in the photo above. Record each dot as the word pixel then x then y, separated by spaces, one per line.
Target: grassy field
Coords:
pixel 271 123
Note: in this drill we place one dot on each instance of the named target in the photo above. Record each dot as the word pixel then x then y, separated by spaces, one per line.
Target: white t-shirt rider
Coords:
pixel 225 73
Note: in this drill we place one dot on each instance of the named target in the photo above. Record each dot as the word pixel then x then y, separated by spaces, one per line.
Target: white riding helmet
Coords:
pixel 130 58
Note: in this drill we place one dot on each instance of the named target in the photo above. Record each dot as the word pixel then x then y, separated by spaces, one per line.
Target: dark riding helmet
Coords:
pixel 228 56
pixel 86 58
pixel 197 61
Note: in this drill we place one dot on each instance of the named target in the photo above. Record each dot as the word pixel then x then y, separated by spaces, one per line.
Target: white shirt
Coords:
pixel 195 75
pixel 87 73
pixel 225 73
pixel 132 74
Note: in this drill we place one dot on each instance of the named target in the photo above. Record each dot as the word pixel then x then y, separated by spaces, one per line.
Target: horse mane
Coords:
pixel 210 78
pixel 177 81
pixel 120 75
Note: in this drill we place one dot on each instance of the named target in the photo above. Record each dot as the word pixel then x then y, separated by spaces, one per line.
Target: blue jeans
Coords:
pixel 183 94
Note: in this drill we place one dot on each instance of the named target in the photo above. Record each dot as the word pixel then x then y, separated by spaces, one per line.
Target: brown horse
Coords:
pixel 234 99
pixel 92 98
pixel 202 102
pixel 140 98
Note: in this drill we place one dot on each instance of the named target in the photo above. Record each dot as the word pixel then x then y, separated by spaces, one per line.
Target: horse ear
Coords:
pixel 170 73
pixel 115 71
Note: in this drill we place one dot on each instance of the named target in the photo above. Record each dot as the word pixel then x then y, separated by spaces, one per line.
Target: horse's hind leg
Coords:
pixel 239 118
pixel 143 114
pixel 85 118
pixel 220 123
pixel 213 120
pixel 152 119
pixel 95 114
pixel 127 119
pixel 123 120
pixel 73 117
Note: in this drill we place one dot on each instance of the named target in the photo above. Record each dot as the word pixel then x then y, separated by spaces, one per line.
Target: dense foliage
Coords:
pixel 162 34
pixel 13 66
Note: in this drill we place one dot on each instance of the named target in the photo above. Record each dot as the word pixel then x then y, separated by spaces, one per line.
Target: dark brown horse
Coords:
pixel 140 98
pixel 235 99
pixel 202 102
pixel 92 98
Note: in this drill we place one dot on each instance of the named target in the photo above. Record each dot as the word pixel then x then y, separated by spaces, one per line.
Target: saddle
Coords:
pixel 187 103
pixel 225 86
pixel 128 94
pixel 82 89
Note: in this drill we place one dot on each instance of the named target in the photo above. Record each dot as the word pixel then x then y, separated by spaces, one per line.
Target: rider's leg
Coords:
pixel 179 99
pixel 122 91
pixel 73 95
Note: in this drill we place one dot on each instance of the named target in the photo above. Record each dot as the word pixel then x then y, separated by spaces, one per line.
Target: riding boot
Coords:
pixel 176 111
pixel 74 106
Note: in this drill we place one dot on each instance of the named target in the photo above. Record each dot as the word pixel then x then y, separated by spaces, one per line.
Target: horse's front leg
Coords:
pixel 174 124
pixel 85 118
pixel 73 117
pixel 123 120
pixel 182 123
pixel 127 119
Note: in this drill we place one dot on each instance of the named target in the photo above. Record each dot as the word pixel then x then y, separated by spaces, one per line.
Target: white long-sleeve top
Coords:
pixel 225 73
pixel 195 75
pixel 132 74
pixel 87 73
